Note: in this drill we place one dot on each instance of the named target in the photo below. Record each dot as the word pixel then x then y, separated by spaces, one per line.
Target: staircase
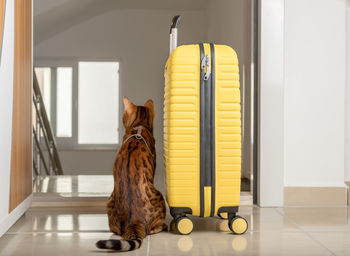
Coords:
pixel 46 160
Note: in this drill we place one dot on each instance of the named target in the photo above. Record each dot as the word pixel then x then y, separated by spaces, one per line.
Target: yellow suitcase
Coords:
pixel 202 133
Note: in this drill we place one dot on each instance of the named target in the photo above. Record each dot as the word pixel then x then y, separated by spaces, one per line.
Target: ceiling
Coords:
pixel 54 16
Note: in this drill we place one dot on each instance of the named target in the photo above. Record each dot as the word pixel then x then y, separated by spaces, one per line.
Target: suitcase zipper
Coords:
pixel 205 67
pixel 207 151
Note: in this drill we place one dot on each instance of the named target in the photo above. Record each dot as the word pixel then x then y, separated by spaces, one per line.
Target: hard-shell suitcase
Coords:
pixel 202 133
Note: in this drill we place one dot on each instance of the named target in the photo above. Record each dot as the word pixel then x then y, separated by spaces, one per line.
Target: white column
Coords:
pixel 271 177
pixel 347 99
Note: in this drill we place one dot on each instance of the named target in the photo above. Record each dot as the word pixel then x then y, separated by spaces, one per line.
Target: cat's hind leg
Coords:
pixel 158 229
pixel 115 229
pixel 158 226
pixel 113 221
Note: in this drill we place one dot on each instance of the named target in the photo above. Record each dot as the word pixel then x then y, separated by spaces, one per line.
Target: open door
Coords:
pixel 16 110
pixel 2 19
pixel 21 154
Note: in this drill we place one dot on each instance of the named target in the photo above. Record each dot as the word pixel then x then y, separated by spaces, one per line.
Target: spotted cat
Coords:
pixel 135 208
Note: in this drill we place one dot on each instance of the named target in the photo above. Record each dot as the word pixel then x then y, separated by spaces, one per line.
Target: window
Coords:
pixel 98 103
pixel 56 88
pixel 82 101
pixel 64 102
pixel 44 79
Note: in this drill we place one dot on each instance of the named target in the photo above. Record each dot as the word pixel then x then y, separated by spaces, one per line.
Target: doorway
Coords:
pixel 134 38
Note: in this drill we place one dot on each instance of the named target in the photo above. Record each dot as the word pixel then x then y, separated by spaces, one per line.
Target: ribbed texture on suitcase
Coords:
pixel 182 130
pixel 227 128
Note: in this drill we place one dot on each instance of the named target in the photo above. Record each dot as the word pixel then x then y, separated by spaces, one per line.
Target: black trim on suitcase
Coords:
pixel 207 130
pixel 228 209
pixel 206 135
pixel 202 130
pixel 212 130
pixel 178 211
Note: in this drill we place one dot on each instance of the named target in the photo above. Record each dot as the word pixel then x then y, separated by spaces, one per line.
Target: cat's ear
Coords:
pixel 149 104
pixel 128 105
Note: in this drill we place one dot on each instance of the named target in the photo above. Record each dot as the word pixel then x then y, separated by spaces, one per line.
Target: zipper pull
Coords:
pixel 205 66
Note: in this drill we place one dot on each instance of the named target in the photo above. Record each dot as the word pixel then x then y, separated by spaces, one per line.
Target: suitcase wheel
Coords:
pixel 184 225
pixel 238 225
pixel 172 226
pixel 223 215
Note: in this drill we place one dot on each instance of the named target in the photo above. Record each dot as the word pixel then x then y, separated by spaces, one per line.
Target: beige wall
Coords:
pixel 229 22
pixel 140 40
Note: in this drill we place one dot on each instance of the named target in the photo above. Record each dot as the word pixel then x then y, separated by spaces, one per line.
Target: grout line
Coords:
pixel 305 232
pixel 148 244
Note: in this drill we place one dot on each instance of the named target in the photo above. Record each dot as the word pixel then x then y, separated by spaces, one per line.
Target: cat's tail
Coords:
pixel 132 239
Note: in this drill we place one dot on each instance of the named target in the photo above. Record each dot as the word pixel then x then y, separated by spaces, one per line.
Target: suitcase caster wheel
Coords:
pixel 238 225
pixel 172 226
pixel 223 215
pixel 184 225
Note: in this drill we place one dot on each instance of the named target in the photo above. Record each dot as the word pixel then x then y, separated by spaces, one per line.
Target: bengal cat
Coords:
pixel 135 208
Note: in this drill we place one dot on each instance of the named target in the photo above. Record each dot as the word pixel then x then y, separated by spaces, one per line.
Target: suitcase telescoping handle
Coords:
pixel 173 32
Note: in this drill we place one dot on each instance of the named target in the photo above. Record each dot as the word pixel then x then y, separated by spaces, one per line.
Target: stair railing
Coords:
pixel 42 129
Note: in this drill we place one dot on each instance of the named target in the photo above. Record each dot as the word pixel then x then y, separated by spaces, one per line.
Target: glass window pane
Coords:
pixel 44 80
pixel 64 102
pixel 98 103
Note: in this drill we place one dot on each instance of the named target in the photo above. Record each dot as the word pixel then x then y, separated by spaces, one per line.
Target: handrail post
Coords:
pixel 38 160
pixel 50 159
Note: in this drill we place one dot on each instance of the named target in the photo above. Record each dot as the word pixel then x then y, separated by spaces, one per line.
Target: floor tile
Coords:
pixel 166 243
pixel 336 241
pixel 78 185
pixel 56 244
pixel 259 219
pixel 252 243
pixel 272 231
pixel 318 219
pixel 62 220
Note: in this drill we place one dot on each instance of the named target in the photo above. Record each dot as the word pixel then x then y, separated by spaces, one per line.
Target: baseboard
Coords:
pixel 11 219
pixel 315 196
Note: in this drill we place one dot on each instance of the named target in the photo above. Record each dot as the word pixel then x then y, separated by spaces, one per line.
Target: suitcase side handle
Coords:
pixel 173 32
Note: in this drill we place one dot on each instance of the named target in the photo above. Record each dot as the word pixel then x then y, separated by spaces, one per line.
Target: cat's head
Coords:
pixel 138 115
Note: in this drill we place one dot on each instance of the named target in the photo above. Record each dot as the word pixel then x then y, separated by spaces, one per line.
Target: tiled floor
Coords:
pixel 272 231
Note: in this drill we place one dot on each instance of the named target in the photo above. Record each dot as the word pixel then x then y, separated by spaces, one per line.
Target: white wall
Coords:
pixel 229 22
pixel 140 40
pixel 314 92
pixel 6 103
pixel 347 89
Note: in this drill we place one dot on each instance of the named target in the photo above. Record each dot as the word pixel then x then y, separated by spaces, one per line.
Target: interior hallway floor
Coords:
pixel 272 231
